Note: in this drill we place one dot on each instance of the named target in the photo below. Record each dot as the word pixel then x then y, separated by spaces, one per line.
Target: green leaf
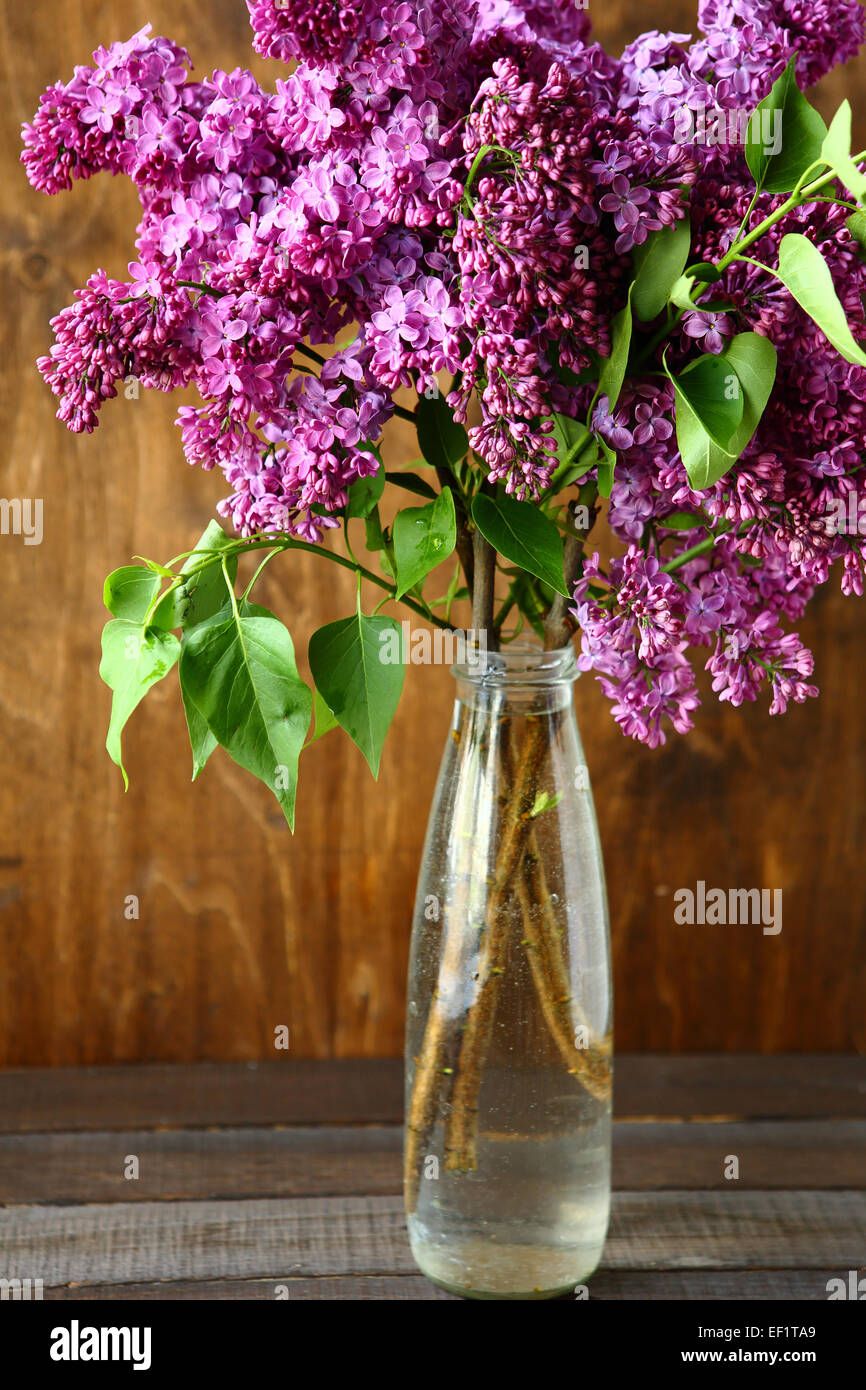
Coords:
pixel 836 151
pixel 704 271
pixel 682 293
pixel 713 391
pixel 444 442
pixel 201 740
pixel 544 801
pixel 754 359
pixel 133 659
pixel 805 273
pixel 205 593
pixel 155 567
pixel 712 431
pixel 570 436
pixel 613 368
pixel 856 225
pixel 423 537
pixel 606 467
pixel 325 719
pixel 364 493
pixel 376 539
pixel 784 118
pixel 129 592
pixel 703 459
pixel 412 483
pixel 659 263
pixel 358 684
pixel 523 535
pixel 239 672
pixel 682 521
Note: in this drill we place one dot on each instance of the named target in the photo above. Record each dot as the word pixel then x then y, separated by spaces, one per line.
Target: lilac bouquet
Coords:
pixel 624 285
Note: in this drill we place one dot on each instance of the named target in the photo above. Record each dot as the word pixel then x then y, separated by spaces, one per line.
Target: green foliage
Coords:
pixel 443 441
pixel 423 538
pixel 238 673
pixel 613 368
pixel 801 130
pixel 805 273
pixel 134 658
pixel 836 151
pixel 359 686
pixel 524 535
pixel 719 402
pixel 659 263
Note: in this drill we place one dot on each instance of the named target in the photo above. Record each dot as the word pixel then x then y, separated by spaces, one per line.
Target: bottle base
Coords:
pixel 486 1271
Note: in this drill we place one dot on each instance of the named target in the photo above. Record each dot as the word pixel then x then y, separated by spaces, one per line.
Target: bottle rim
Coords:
pixel 520 661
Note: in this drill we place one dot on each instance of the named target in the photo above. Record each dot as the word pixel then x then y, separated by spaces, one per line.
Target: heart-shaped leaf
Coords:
pixel 239 673
pixel 423 537
pixel 836 150
pixel 703 459
pixel 350 663
pixel 524 535
pixel 134 658
pixel 754 359
pixel 713 391
pixel 129 592
pixel 805 273
pixel 659 263
pixel 784 136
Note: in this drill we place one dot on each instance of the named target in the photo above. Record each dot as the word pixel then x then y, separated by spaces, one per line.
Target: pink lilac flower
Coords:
pixel 458 188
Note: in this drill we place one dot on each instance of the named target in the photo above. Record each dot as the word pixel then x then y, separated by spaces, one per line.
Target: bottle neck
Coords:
pixel 521 679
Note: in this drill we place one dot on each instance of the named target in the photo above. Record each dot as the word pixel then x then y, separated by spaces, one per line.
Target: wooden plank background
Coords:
pixel 241 927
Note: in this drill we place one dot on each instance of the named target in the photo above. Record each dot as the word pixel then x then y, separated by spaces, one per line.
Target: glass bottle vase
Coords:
pixel 508 1047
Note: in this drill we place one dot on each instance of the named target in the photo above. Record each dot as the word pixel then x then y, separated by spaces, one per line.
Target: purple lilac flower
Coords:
pixel 339 206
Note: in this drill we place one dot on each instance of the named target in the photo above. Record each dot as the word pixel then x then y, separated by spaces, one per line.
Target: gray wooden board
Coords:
pixel 366 1161
pixel 306 1237
pixel 206 1093
pixel 370 1091
pixel 607 1285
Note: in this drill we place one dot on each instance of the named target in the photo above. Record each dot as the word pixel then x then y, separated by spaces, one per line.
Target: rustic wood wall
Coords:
pixel 242 927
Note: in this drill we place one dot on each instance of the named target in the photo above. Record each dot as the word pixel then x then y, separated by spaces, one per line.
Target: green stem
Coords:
pixel 275 544
pixel 231 588
pixel 200 285
pixel 473 168
pixel 700 548
pixel 248 590
pixel 801 195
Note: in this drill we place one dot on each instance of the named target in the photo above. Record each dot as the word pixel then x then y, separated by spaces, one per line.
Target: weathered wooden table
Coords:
pixel 250 1176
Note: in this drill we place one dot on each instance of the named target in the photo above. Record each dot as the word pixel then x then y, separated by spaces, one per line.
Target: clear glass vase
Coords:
pixel 508 1048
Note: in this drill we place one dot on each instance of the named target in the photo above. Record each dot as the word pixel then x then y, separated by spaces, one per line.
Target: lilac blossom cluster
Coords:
pixel 459 187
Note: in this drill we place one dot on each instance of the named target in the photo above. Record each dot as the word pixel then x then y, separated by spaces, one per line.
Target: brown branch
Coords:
pixel 484 565
pixel 464 538
pixel 559 625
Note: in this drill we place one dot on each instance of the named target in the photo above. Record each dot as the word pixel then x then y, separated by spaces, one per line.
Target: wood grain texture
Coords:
pixel 338 1161
pixel 806 1285
pixel 313 932
pixel 370 1091
pixel 338 1236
